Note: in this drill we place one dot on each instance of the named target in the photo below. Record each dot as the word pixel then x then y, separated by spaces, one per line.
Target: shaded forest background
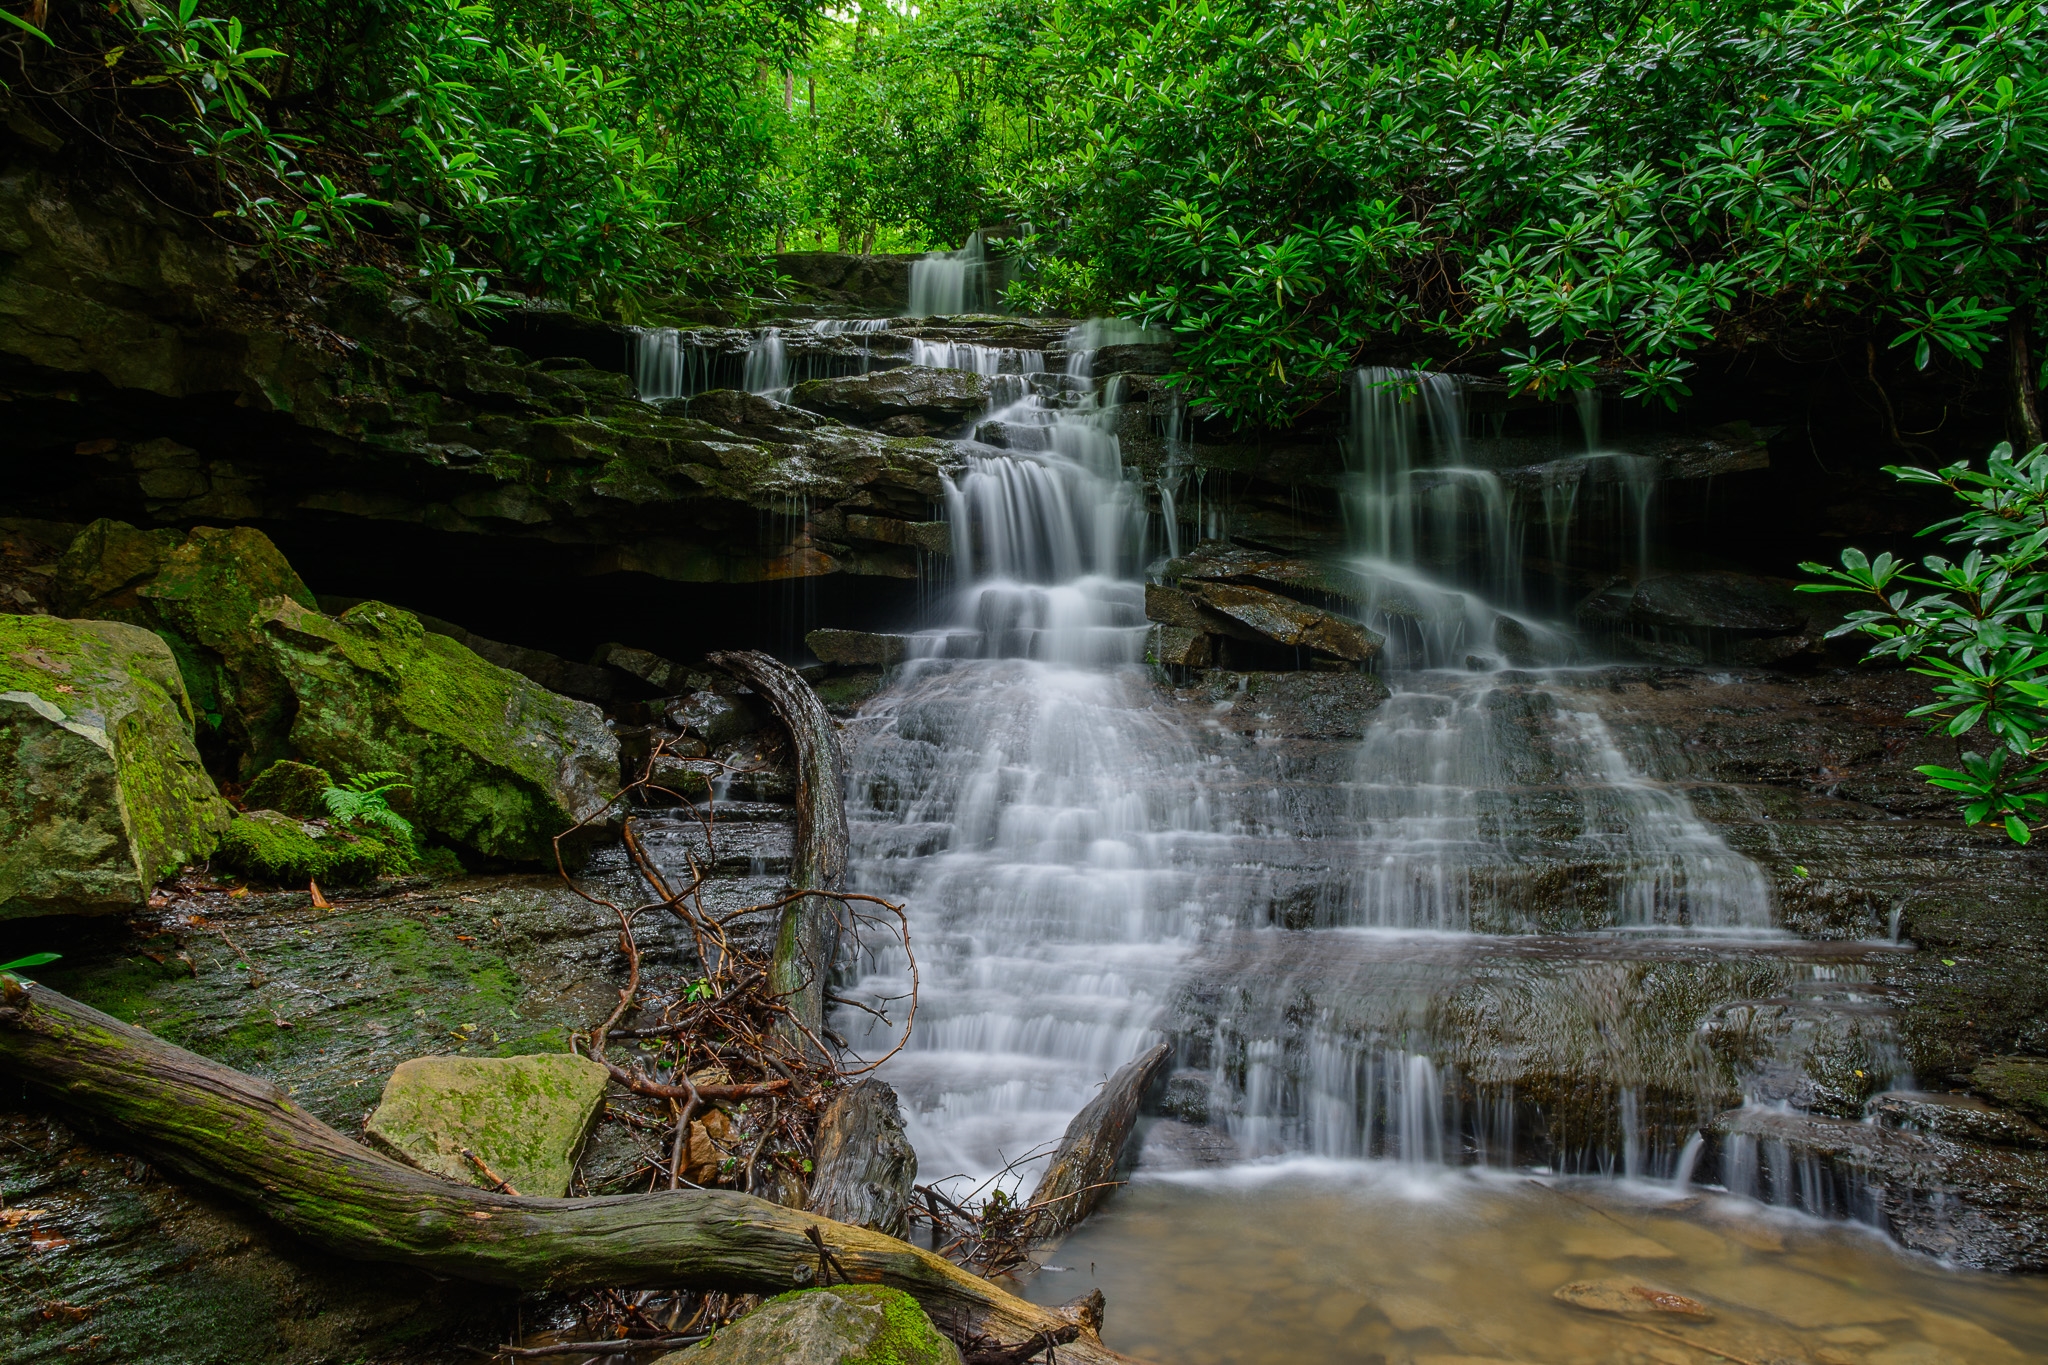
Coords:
pixel 1594 193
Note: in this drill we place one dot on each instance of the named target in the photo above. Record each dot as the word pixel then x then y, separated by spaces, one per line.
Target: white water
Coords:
pixel 1070 849
pixel 949 283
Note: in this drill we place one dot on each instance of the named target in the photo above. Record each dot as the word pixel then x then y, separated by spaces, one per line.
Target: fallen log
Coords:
pixel 805 944
pixel 244 1137
pixel 1084 1167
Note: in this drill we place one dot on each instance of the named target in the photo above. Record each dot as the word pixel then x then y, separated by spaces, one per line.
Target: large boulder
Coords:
pixel 202 591
pixel 913 400
pixel 102 793
pixel 496 763
pixel 846 1324
pixel 525 1118
pixel 1716 599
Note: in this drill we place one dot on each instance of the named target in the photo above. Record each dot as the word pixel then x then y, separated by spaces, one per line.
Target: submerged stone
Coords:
pixel 102 793
pixel 496 763
pixel 845 1324
pixel 524 1117
pixel 1627 1296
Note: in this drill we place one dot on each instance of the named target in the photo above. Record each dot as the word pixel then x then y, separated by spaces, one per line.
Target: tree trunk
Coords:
pixel 2027 411
pixel 1087 1157
pixel 244 1137
pixel 805 940
pixel 863 1164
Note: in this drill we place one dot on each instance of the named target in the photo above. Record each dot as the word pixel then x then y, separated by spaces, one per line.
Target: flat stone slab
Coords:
pixel 850 1324
pixel 525 1117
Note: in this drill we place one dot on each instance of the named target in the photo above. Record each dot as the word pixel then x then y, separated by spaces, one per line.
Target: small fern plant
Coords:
pixel 365 800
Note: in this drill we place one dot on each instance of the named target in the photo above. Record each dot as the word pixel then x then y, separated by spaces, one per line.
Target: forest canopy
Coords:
pixel 1568 193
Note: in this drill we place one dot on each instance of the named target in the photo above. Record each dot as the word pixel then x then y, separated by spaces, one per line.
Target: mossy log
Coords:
pixel 805 944
pixel 243 1136
pixel 1085 1164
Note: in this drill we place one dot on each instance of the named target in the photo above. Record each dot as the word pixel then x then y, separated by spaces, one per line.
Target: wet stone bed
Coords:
pixel 1384 1263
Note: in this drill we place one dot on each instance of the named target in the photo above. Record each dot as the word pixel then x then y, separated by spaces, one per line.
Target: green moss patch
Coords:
pixel 293 788
pixel 271 846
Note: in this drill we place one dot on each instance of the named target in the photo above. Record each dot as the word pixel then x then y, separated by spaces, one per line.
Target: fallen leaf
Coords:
pixel 319 901
pixel 471 900
pixel 66 687
pixel 239 891
pixel 10 1218
pixel 46 1241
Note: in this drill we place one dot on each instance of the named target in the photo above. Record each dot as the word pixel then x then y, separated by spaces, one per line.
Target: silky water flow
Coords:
pixel 1375 957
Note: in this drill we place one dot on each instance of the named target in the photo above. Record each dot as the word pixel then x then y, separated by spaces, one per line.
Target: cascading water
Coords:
pixel 949 283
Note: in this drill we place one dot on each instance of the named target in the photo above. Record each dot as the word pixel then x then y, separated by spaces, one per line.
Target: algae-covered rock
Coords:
pixel 846 1324
pixel 496 764
pixel 524 1117
pixel 293 788
pixel 272 846
pixel 102 793
pixel 202 592
pixel 2017 1082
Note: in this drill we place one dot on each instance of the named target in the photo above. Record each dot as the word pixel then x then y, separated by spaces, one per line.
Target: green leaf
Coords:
pixel 22 23
pixel 32 960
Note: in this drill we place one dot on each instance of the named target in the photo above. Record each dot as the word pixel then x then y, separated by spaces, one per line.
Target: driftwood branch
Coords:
pixel 244 1136
pixel 1084 1167
pixel 805 944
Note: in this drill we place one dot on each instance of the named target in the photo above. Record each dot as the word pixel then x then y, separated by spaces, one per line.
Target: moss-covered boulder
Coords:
pixel 497 763
pixel 203 591
pixel 294 788
pixel 524 1117
pixel 102 793
pixel 271 846
pixel 846 1324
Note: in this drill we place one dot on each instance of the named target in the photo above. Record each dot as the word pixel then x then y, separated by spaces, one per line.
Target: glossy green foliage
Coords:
pixel 1978 631
pixel 1585 193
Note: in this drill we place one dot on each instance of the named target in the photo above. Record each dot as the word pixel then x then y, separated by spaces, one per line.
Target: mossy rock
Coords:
pixel 203 592
pixel 497 763
pixel 102 793
pixel 271 846
pixel 2016 1082
pixel 293 788
pixel 846 1324
pixel 526 1117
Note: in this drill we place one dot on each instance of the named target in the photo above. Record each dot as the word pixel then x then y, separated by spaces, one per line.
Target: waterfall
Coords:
pixel 949 283
pixel 1022 789
pixel 767 364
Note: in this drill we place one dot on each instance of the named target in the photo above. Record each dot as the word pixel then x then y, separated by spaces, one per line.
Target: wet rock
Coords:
pixel 863 1164
pixel 1629 1297
pixel 1187 1098
pixel 857 647
pixel 102 792
pixel 1719 600
pixel 202 592
pixel 1963 1117
pixel 293 788
pixel 2018 1082
pixel 1968 1202
pixel 496 764
pixel 1288 622
pixel 1180 647
pixel 840 1325
pixel 936 399
pixel 880 282
pixel 1135 358
pixel 933 537
pixel 525 1117
pixel 663 675
pixel 717 718
pixel 1176 1145
pixel 1309 705
pixel 752 415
